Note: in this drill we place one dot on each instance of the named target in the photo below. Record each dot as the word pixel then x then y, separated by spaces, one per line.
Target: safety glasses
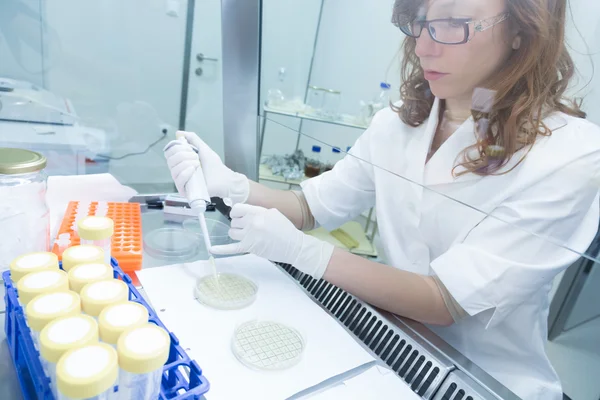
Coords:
pixel 451 30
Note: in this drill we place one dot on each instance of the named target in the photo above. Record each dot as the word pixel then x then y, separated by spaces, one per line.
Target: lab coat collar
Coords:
pixel 439 169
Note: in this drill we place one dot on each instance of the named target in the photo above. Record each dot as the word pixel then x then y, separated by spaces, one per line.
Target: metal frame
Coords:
pixel 241 33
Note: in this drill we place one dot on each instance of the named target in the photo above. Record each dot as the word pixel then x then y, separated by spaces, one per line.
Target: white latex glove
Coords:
pixel 269 234
pixel 220 180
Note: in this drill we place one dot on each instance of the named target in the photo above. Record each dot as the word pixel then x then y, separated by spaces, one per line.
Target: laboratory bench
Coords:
pixel 428 365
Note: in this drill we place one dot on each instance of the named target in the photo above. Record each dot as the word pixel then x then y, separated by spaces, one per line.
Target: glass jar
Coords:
pixel 23 209
pixel 315 100
pixel 331 104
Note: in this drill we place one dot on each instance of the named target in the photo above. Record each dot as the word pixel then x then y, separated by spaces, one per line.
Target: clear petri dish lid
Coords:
pixel 217 230
pixel 267 345
pixel 171 244
pixel 225 291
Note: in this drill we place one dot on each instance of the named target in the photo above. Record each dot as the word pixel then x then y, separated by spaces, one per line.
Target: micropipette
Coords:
pixel 198 197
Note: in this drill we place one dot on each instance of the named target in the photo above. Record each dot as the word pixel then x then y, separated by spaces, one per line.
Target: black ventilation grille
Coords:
pixel 420 371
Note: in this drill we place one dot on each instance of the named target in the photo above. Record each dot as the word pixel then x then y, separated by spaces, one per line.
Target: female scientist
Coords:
pixel 476 218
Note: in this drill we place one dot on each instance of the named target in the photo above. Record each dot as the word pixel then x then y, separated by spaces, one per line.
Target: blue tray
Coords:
pixel 36 385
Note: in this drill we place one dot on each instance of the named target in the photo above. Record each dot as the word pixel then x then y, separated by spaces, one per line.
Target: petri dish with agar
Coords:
pixel 226 291
pixel 171 244
pixel 267 345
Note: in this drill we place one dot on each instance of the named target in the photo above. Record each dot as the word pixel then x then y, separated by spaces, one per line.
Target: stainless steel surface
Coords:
pixel 241 58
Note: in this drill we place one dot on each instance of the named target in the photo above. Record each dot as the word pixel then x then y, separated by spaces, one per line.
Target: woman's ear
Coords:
pixel 516 44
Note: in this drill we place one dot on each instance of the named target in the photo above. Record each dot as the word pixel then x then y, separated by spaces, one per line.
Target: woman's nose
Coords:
pixel 426 46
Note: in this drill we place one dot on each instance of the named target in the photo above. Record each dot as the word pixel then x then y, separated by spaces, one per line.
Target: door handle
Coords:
pixel 201 58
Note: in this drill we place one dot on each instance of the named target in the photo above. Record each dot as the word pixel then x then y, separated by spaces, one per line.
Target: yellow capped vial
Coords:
pixel 98 295
pixel 82 254
pixel 87 372
pixel 84 274
pixel 143 351
pixel 36 283
pixel 47 307
pixel 62 335
pixel 32 262
pixel 97 231
pixel 117 318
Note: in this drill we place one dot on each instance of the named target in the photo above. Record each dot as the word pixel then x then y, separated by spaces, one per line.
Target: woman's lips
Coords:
pixel 434 75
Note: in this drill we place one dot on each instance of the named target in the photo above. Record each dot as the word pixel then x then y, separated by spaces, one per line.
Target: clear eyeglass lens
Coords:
pixel 448 31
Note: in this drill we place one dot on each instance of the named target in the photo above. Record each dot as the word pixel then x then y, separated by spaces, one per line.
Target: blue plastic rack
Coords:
pixel 36 385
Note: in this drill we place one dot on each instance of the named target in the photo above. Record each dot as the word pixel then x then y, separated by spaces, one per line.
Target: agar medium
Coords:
pixel 267 345
pixel 226 291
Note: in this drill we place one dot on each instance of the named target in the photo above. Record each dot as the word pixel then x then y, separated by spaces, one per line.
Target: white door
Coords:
pixel 204 114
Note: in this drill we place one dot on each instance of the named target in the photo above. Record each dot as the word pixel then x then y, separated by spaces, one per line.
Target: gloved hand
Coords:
pixel 220 180
pixel 269 234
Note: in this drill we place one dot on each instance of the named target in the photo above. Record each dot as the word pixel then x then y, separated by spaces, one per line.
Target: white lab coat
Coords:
pixel 478 234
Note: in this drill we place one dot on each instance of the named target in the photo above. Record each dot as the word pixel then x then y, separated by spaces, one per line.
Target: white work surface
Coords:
pixel 375 383
pixel 206 333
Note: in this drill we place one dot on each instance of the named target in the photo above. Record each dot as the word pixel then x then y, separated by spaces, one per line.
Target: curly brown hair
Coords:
pixel 531 85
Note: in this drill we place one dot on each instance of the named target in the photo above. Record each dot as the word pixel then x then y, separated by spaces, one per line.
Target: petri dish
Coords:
pixel 267 345
pixel 171 244
pixel 217 231
pixel 226 291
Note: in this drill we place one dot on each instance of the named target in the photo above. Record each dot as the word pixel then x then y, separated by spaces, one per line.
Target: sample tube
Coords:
pixel 47 307
pixel 62 335
pixel 32 262
pixel 83 254
pixel 98 295
pixel 97 231
pixel 143 351
pixel 84 274
pixel 88 372
pixel 49 281
pixel 117 318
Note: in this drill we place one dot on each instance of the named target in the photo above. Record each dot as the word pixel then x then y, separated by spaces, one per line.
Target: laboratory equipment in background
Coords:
pixel 36 119
pixel 381 101
pixel 117 318
pixel 126 243
pixel 275 96
pixel 97 363
pixel 62 335
pixel 82 254
pixel 97 231
pixel 96 296
pixel 331 104
pixel 47 307
pixel 22 101
pixel 336 156
pixel 314 164
pixel 142 353
pixel 84 274
pixel 37 283
pixel 32 262
pixel 315 100
pixel 23 210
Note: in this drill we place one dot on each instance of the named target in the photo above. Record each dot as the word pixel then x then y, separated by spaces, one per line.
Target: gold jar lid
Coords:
pixel 96 296
pixel 84 274
pixel 32 262
pixel 36 283
pixel 47 307
pixel 143 349
pixel 66 333
pixel 95 228
pixel 81 254
pixel 20 161
pixel 87 371
pixel 117 318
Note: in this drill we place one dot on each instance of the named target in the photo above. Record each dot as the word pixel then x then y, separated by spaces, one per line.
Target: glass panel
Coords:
pixel 355 49
pixel 107 92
